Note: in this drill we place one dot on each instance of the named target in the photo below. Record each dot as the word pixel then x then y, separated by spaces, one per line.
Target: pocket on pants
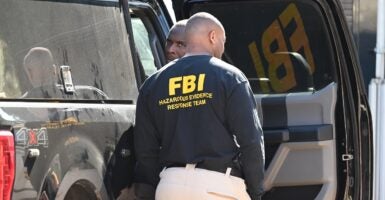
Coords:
pixel 220 194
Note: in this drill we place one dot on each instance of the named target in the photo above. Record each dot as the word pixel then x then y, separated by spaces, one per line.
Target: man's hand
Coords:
pixel 138 191
pixel 144 191
pixel 127 193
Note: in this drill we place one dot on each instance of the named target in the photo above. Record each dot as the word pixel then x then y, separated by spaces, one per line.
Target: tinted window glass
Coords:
pixel 38 38
pixel 149 37
pixel 142 44
pixel 280 45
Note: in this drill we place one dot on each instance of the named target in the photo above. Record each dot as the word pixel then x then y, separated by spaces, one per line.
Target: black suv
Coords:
pixel 70 72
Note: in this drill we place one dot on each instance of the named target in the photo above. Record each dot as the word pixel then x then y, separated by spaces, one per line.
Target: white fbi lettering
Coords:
pixel 187 84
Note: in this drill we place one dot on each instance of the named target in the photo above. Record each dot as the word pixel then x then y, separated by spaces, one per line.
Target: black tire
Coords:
pixel 81 191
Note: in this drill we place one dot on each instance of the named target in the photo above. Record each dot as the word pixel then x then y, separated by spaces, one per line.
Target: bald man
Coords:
pixel 39 66
pixel 197 133
pixel 41 72
pixel 175 44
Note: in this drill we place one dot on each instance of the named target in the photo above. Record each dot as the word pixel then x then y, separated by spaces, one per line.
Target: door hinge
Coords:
pixel 347 157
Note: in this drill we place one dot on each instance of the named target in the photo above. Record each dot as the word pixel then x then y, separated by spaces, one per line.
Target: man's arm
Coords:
pixel 147 151
pixel 241 112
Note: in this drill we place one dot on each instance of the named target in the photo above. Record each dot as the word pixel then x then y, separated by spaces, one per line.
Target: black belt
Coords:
pixel 233 172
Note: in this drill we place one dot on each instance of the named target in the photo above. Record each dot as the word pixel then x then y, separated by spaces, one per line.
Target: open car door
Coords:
pixel 300 60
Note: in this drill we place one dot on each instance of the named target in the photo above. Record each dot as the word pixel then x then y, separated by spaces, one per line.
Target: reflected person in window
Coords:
pixel 41 72
pixel 175 44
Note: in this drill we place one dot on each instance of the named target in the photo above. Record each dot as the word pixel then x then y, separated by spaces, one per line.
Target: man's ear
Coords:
pixel 212 37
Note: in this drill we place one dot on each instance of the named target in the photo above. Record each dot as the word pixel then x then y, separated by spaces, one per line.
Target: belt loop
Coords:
pixel 228 171
pixel 190 166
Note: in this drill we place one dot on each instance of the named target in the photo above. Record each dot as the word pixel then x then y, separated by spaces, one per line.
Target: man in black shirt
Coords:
pixel 197 124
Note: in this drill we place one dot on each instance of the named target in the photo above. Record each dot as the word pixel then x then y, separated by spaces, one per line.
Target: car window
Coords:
pixel 149 37
pixel 47 46
pixel 142 43
pixel 281 46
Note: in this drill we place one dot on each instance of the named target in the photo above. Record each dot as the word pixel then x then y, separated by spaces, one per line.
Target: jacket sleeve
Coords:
pixel 146 146
pixel 243 121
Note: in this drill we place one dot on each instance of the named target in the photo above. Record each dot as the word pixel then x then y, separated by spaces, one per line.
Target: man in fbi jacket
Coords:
pixel 197 133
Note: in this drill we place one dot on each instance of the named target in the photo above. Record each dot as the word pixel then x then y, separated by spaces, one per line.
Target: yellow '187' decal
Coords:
pixel 298 41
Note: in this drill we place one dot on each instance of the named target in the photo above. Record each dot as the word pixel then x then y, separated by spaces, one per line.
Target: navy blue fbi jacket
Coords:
pixel 191 111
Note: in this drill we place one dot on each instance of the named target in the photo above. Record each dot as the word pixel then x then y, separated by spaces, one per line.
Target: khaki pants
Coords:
pixel 190 183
